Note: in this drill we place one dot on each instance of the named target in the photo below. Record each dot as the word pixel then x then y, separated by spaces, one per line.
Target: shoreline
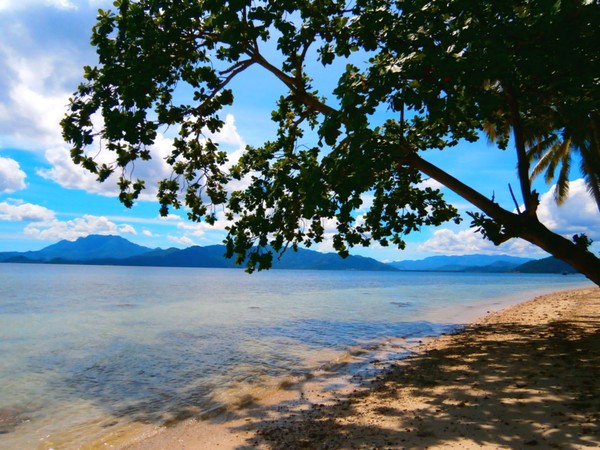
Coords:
pixel 519 377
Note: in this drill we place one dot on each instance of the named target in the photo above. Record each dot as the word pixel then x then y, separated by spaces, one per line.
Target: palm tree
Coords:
pixel 553 151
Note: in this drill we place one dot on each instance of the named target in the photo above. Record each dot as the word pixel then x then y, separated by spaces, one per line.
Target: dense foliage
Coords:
pixel 445 72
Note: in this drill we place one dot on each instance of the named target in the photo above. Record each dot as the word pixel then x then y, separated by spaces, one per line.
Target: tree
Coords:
pixel 447 72
pixel 552 152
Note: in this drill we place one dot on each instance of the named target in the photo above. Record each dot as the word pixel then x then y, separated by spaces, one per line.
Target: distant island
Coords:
pixel 115 250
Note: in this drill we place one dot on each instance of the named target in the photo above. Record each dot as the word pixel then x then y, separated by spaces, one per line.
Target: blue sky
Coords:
pixel 45 198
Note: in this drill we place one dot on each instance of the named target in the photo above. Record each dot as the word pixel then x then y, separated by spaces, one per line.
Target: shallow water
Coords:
pixel 88 349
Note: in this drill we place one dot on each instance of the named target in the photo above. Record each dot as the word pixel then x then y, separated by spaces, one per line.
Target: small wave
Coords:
pixel 401 304
pixel 182 336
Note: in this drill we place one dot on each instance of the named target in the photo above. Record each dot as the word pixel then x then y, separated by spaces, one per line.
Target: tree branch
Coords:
pixel 238 67
pixel 296 87
pixel 241 65
pixel 512 222
pixel 486 205
pixel 512 194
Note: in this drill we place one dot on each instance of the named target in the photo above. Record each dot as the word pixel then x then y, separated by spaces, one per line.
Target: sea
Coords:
pixel 86 351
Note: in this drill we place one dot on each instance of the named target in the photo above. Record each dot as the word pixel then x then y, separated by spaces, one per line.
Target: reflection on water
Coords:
pixel 89 350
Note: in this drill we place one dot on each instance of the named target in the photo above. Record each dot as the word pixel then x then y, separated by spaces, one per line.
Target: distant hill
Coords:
pixel 7 255
pixel 308 259
pixel 83 249
pixel 114 250
pixel 462 263
pixel 196 256
pixel 546 265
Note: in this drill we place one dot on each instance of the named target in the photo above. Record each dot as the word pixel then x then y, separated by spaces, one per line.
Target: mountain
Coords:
pixel 83 249
pixel 4 256
pixel 114 250
pixel 196 256
pixel 213 256
pixel 463 263
pixel 309 259
pixel 546 265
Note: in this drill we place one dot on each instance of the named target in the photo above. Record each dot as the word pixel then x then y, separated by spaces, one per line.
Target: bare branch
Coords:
pixel 246 63
pixel 296 86
pixel 233 71
pixel 512 194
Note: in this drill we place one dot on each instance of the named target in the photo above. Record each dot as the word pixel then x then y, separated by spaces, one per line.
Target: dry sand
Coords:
pixel 525 377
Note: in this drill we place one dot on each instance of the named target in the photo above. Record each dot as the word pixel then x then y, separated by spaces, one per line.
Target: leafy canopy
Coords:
pixel 445 72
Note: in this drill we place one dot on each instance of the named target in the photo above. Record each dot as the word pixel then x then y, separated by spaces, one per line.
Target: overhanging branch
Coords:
pixel 486 205
pixel 296 86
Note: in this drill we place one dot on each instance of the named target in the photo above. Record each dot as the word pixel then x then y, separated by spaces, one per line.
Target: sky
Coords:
pixel 45 198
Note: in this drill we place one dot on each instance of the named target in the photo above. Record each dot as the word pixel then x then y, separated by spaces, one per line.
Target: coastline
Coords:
pixel 525 376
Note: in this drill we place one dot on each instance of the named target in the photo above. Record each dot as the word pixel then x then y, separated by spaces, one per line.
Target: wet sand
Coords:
pixel 525 377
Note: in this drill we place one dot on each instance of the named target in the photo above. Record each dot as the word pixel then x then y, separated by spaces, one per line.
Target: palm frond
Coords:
pixel 495 130
pixel 561 192
pixel 590 168
pixel 551 158
pixel 539 146
pixel 490 131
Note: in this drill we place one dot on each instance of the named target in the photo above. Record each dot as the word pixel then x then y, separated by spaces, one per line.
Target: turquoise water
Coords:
pixel 89 348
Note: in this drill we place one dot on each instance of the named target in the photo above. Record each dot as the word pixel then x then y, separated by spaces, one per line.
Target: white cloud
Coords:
pixel 43 49
pixel 430 183
pixel 16 5
pixel 465 242
pixel 39 115
pixel 36 82
pixel 127 229
pixel 330 229
pixel 197 230
pixel 578 214
pixel 12 5
pixel 18 211
pixel 71 176
pixel 201 227
pixel 183 240
pixel 367 202
pixel 169 217
pixel 55 229
pixel 147 233
pixel 228 134
pixel 12 178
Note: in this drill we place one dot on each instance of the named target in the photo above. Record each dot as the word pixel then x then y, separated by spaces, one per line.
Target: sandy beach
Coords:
pixel 525 377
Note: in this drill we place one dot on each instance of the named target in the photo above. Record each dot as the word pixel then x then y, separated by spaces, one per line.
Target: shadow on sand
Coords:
pixel 498 385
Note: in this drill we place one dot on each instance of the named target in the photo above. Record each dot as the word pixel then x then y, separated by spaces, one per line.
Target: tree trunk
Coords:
pixel 526 227
pixel 579 258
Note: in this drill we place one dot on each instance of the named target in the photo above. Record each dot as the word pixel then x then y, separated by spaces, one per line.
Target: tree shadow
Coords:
pixel 500 385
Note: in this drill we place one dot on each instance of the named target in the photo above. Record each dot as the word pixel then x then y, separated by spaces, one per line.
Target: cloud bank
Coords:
pixel 12 178
pixel 18 211
pixel 52 230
